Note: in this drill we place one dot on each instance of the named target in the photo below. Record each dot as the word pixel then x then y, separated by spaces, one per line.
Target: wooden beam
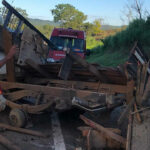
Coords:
pixel 28 108
pixel 89 86
pixel 14 96
pixel 129 133
pixel 100 128
pixel 63 92
pixel 88 66
pixel 7 44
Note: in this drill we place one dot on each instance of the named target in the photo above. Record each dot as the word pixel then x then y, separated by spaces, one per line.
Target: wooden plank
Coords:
pixel 28 108
pixel 69 84
pixel 7 44
pixel 60 92
pixel 146 94
pixel 35 66
pixel 89 86
pixel 20 94
pixel 99 140
pixel 139 119
pixel 143 79
pixel 88 66
pixel 66 68
pixel 21 130
pixel 129 134
pixel 95 86
pixel 100 128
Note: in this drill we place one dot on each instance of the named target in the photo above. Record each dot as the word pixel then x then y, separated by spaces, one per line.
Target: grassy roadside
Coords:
pixel 115 49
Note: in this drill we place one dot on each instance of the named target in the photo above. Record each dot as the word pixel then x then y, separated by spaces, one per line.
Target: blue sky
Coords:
pixel 109 10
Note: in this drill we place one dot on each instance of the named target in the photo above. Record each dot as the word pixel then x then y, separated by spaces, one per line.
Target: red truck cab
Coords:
pixel 66 38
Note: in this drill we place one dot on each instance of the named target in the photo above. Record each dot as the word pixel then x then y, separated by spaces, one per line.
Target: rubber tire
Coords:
pixel 17 118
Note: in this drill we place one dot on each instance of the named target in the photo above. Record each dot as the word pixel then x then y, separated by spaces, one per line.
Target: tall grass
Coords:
pixel 91 42
pixel 116 48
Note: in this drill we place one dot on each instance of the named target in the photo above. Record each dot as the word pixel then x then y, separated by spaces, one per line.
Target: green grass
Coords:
pixel 91 42
pixel 108 58
pixel 115 49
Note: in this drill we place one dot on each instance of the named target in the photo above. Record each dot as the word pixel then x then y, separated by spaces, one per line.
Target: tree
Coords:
pixel 135 9
pixel 4 11
pixel 23 12
pixel 138 7
pixel 96 26
pixel 14 20
pixel 88 28
pixel 68 16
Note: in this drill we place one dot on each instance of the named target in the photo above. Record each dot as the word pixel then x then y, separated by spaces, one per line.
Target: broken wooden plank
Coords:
pixel 88 66
pixel 66 68
pixel 7 44
pixel 129 134
pixel 99 140
pixel 21 130
pixel 14 96
pixel 63 92
pixel 35 66
pixel 8 144
pixel 85 129
pixel 100 128
pixel 146 94
pixel 139 119
pixel 140 110
pixel 143 79
pixel 29 108
pixel 92 86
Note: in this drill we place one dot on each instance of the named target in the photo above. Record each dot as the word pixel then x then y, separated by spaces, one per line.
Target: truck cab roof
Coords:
pixel 71 33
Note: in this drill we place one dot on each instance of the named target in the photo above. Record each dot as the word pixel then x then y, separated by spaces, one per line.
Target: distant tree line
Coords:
pixel 69 17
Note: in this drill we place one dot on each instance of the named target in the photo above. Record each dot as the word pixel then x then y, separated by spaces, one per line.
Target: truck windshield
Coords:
pixel 65 42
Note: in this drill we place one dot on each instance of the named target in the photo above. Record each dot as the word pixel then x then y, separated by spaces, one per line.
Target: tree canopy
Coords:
pixel 23 12
pixel 68 16
pixel 97 26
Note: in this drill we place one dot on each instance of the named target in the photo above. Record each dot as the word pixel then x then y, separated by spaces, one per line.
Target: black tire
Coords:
pixel 18 118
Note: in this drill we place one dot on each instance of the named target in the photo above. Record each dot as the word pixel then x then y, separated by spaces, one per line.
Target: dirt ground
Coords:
pixel 69 122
